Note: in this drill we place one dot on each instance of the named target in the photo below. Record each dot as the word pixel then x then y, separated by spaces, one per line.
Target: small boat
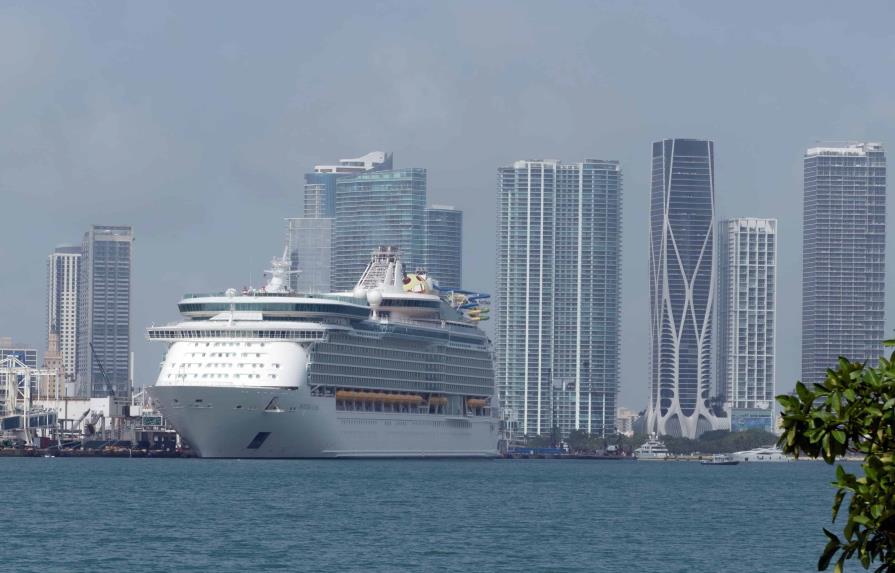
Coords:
pixel 653 449
pixel 765 454
pixel 720 460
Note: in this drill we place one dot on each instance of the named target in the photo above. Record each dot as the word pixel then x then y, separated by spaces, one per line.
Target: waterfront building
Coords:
pixel 557 294
pixel 625 420
pixel 104 311
pixel 310 252
pixel 747 311
pixel 63 268
pixel 375 209
pixel 843 256
pixel 25 354
pixel 682 282
pixel 444 245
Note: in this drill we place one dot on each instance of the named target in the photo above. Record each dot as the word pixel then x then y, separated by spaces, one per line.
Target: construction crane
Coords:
pixel 102 371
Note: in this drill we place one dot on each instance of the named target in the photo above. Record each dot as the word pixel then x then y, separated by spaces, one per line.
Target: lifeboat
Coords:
pixel 476 403
pixel 379 397
pixel 438 401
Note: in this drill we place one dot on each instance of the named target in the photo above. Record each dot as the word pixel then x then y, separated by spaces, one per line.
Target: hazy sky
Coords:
pixel 195 121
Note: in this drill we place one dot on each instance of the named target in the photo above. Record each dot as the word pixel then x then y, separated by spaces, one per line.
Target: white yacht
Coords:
pixel 653 449
pixel 764 454
pixel 390 369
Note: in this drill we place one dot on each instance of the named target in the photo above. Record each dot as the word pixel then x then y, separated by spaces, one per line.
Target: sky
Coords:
pixel 194 122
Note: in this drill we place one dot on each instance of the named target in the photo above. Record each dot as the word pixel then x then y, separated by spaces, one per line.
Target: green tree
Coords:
pixel 852 410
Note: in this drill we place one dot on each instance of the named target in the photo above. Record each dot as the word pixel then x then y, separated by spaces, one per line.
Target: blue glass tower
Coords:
pixel 104 311
pixel 444 245
pixel 682 279
pixel 375 209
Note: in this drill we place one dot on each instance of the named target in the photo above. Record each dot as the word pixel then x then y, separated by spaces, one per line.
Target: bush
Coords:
pixel 852 410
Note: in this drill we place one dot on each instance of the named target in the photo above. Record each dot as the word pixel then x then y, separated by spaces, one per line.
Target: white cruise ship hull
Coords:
pixel 272 422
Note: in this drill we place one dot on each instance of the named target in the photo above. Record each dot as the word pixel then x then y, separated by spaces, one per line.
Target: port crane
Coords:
pixel 102 371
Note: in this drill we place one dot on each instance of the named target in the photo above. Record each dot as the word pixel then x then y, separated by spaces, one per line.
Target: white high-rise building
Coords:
pixel 63 266
pixel 557 295
pixel 747 311
pixel 843 256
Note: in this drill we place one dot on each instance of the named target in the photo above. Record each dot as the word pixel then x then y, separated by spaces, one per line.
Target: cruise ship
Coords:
pixel 390 369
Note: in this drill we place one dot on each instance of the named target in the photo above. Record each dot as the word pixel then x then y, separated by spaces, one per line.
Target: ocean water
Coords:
pixel 106 515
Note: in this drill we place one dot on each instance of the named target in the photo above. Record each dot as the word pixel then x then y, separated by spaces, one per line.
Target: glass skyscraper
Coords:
pixel 682 280
pixel 843 256
pixel 310 237
pixel 310 247
pixel 747 311
pixel 63 268
pixel 444 245
pixel 373 209
pixel 104 311
pixel 558 294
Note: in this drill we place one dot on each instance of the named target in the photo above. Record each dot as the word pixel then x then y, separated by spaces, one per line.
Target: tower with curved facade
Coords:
pixel 682 279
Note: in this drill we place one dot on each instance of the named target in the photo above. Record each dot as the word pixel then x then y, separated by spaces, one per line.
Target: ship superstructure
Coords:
pixel 389 369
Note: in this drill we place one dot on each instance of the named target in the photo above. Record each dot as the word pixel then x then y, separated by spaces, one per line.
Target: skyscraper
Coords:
pixel 843 256
pixel 373 209
pixel 310 237
pixel 557 294
pixel 682 280
pixel 747 310
pixel 444 245
pixel 104 311
pixel 310 247
pixel 63 267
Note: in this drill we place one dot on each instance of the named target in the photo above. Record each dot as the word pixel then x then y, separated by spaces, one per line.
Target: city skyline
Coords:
pixel 207 170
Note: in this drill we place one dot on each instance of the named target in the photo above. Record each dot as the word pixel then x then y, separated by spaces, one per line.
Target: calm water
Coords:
pixel 105 515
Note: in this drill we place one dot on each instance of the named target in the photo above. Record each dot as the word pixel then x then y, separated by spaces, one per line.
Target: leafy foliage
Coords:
pixel 852 410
